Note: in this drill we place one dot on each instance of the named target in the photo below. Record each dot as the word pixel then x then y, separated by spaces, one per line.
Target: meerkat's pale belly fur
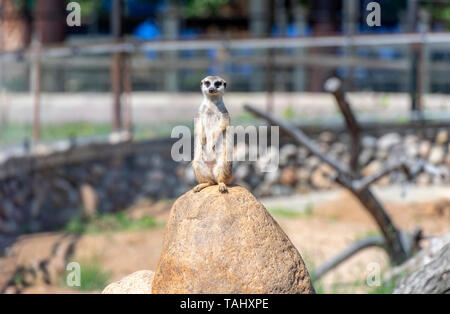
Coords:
pixel 211 162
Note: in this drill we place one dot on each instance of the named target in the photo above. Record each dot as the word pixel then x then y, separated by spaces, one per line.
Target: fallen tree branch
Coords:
pixel 393 242
pixel 348 252
pixel 403 164
pixel 433 277
pixel 301 138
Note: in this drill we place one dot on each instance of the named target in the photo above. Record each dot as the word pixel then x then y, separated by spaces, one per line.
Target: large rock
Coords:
pixel 139 282
pixel 227 243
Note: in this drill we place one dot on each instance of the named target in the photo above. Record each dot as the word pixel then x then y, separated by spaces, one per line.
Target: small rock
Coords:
pixel 288 176
pixel 423 179
pixel 386 142
pixel 447 160
pixel 139 282
pixel 411 139
pixel 373 167
pixel 337 149
pixel 324 147
pixel 424 149
pixel 286 152
pixel 365 156
pixel 437 155
pixel 302 153
pixel 272 177
pixel 369 142
pixel 442 137
pixel 411 150
pixel 312 162
pixel 326 137
pixel 303 174
pixel 320 177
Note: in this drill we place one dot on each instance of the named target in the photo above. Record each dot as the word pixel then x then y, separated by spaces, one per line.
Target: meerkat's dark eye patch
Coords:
pixel 207 83
pixel 217 84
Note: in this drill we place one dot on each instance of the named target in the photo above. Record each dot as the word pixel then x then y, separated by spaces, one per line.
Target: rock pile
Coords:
pixel 109 178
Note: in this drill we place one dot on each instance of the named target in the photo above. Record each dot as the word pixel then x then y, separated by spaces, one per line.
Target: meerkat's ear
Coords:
pixel 224 84
pixel 201 83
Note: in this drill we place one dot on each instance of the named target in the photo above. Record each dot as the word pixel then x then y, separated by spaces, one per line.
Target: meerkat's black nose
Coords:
pixel 211 90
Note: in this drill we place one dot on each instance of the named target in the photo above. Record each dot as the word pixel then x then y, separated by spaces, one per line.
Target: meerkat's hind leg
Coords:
pixel 223 187
pixel 201 186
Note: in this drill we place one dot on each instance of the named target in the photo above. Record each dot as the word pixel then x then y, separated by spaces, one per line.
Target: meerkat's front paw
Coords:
pixel 223 188
pixel 197 188
pixel 200 187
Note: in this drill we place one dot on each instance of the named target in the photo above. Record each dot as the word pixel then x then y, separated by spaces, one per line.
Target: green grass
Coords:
pixel 311 266
pixel 109 223
pixel 288 113
pixel 384 288
pixel 15 133
pixel 289 213
pixel 92 276
pixel 367 234
pixel 283 212
pixel 332 218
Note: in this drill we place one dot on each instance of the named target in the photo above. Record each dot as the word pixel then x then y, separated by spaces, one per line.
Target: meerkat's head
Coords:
pixel 213 86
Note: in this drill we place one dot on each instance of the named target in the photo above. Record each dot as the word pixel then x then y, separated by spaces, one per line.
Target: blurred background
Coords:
pixel 86 115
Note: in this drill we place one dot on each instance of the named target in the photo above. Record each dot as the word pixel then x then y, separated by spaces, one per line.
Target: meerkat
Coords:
pixel 211 165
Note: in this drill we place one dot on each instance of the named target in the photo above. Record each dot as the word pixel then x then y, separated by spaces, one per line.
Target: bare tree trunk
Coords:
pixel 394 244
pixel 334 86
pixel 434 277
pixel 395 248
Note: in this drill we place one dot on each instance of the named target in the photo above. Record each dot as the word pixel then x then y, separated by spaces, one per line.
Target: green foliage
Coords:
pixel 201 8
pixel 74 129
pixel 19 279
pixel 385 288
pixel 13 133
pixel 93 277
pixel 332 218
pixel 311 265
pixel 309 210
pixel 288 113
pixel 109 223
pixel 283 212
pixel 289 213
pixel 439 12
pixel 367 234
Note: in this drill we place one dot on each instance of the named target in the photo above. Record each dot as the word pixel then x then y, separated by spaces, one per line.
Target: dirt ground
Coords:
pixel 326 228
